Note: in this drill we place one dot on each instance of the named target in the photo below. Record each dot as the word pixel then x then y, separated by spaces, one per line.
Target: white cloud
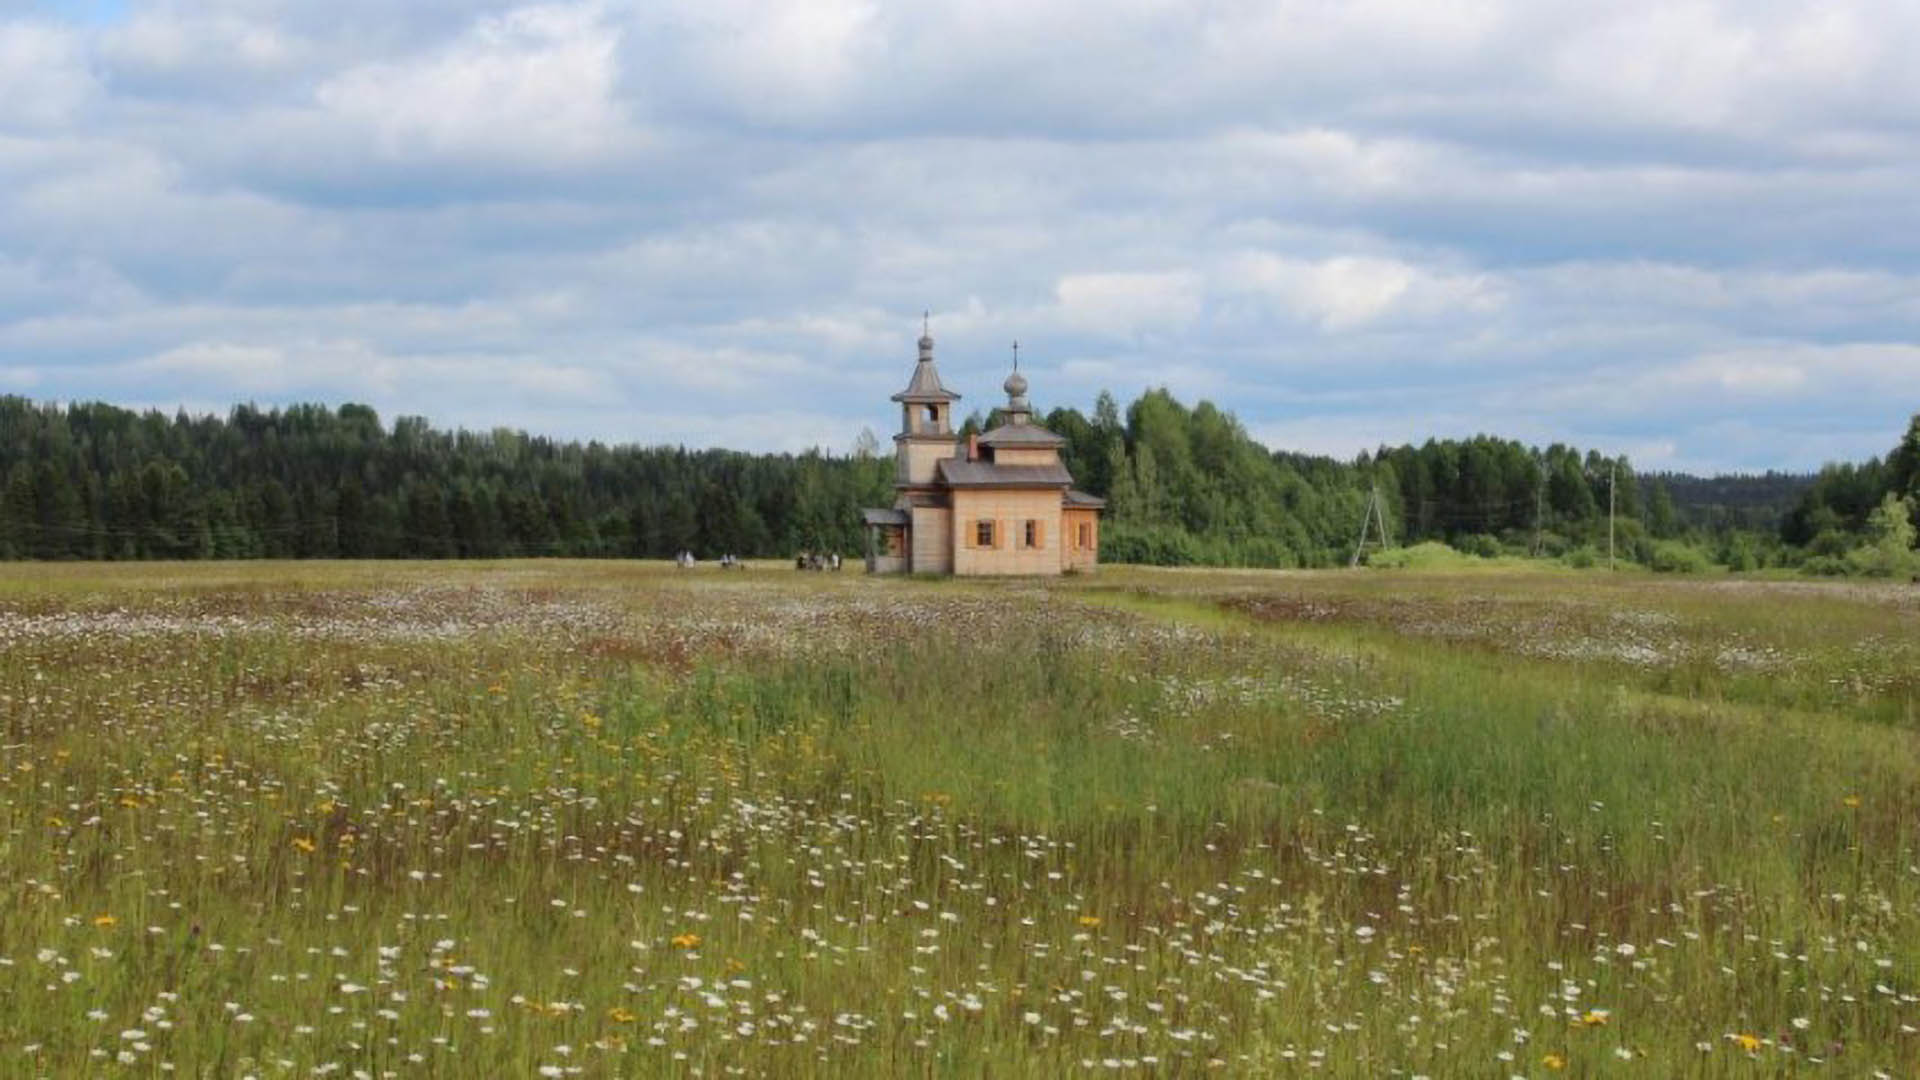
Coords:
pixel 355 370
pixel 533 86
pixel 786 59
pixel 1349 432
pixel 745 375
pixel 1124 304
pixel 246 369
pixel 44 78
pixel 1892 369
pixel 1802 386
pixel 1632 224
pixel 1337 163
pixel 1742 68
pixel 1348 292
pixel 1681 63
pixel 171 44
pixel 1739 374
pixel 31 286
pixel 1319 41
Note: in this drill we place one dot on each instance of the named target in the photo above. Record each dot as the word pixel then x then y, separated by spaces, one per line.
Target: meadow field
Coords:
pixel 555 818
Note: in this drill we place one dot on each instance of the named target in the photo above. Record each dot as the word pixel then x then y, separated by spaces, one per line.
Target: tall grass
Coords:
pixel 607 820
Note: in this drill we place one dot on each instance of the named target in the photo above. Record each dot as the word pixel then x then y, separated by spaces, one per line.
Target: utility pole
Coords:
pixel 1613 481
pixel 1376 515
pixel 1366 520
pixel 1539 509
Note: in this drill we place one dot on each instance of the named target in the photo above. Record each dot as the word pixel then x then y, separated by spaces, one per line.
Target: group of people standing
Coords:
pixel 817 560
pixel 686 561
pixel 806 560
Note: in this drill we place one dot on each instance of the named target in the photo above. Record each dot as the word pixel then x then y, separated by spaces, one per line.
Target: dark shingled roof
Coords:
pixel 1021 435
pixel 959 472
pixel 1080 499
pixel 925 385
pixel 886 517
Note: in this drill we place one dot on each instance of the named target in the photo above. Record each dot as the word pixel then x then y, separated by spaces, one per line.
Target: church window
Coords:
pixel 1032 538
pixel 1086 535
pixel 983 534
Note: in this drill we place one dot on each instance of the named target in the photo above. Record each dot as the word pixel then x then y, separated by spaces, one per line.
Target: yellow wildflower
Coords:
pixel 104 921
pixel 303 844
pixel 1852 801
pixel 686 941
pixel 1554 1062
pixel 621 1016
pixel 1595 1018
pixel 1749 1043
pixel 1089 921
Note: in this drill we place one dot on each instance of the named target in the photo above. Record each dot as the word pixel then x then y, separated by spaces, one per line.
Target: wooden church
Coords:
pixel 997 503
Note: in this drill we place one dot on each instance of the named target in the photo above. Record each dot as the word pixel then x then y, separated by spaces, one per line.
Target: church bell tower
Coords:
pixel 926 420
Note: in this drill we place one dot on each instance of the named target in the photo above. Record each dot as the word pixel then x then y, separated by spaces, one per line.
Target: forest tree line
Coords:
pixel 1861 518
pixel 1189 485
pixel 1184 485
pixel 97 482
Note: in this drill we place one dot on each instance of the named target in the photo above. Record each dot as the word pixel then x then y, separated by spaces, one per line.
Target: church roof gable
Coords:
pixel 957 472
pixel 1021 435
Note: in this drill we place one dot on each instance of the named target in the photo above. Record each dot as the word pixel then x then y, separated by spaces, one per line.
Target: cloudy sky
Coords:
pixel 1687 231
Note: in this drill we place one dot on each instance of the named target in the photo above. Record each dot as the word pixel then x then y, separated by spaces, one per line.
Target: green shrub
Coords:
pixel 1674 557
pixel 1889 550
pixel 1739 555
pixel 1266 552
pixel 1152 545
pixel 1553 545
pixel 1430 555
pixel 1481 544
pixel 1170 545
pixel 1831 542
pixel 1826 566
pixel 1639 549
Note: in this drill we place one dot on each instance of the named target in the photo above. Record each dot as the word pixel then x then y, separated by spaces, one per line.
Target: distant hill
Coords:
pixel 1756 501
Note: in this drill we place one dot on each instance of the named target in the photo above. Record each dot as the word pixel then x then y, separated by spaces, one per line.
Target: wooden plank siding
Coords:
pixel 1009 510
